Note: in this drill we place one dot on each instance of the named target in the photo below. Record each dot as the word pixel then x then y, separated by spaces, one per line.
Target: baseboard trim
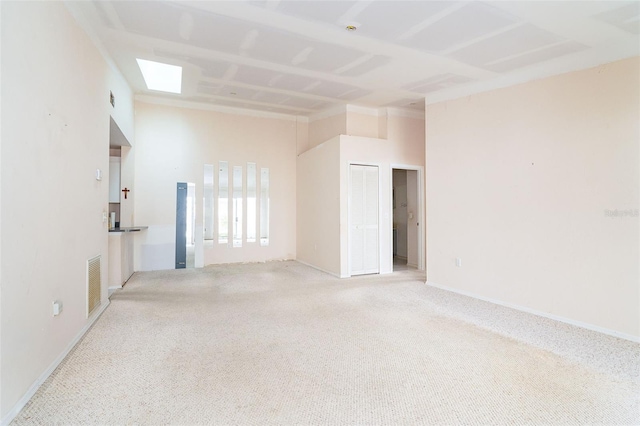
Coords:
pixel 565 320
pixel 45 375
pixel 319 269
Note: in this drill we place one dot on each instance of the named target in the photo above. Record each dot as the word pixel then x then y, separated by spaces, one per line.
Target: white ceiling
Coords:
pixel 296 57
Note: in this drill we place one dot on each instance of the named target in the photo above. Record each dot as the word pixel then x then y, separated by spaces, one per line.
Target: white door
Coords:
pixel 363 217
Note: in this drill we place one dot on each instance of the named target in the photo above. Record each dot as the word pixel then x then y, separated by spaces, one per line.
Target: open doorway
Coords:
pixel 406 219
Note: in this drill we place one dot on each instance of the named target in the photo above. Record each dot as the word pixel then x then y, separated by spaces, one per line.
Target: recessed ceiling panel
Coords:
pixel 627 18
pixel 166 21
pixel 281 47
pixel 321 11
pixel 385 20
pixel 365 67
pixel 517 40
pixel 270 97
pixel 438 82
pixel 161 21
pixel 278 46
pixel 465 24
pixel 292 82
pixel 209 68
pixel 235 92
pixel 256 76
pixel 536 56
pixel 330 89
pixel 354 94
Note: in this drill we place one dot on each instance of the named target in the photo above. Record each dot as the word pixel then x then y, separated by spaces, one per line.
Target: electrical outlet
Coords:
pixel 104 216
pixel 458 262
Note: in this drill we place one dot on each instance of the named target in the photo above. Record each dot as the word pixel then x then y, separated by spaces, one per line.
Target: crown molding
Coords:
pixel 402 112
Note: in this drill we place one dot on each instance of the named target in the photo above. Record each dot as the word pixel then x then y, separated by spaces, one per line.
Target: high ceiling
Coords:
pixel 297 57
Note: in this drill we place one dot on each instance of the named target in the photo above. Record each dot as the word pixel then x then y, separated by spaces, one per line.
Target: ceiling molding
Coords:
pixel 363 110
pixel 408 113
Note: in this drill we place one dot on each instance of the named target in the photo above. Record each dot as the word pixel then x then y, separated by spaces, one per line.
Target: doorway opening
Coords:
pixel 406 205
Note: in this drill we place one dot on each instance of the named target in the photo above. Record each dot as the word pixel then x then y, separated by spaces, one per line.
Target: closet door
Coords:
pixel 363 216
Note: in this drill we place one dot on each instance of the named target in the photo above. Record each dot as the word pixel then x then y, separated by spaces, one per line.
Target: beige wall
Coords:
pixel 385 154
pixel 318 207
pixel 173 145
pixel 323 129
pixel 359 124
pixel 302 135
pixel 408 129
pixel 518 184
pixel 55 134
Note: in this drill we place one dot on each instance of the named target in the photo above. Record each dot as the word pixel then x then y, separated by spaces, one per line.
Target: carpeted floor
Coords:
pixel 282 343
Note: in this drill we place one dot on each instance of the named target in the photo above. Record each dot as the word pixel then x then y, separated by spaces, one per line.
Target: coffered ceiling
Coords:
pixel 297 57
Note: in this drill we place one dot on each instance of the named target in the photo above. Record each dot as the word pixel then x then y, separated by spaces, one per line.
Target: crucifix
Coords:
pixel 126 192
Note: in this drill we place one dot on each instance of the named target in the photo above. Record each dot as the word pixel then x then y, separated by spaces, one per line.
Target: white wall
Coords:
pixel 318 207
pixel 519 182
pixel 174 143
pixel 55 134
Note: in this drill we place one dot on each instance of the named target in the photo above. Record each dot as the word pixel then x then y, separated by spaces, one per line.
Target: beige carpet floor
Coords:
pixel 282 343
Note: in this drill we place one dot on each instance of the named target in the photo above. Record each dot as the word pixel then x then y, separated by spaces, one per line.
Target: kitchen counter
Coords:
pixel 129 229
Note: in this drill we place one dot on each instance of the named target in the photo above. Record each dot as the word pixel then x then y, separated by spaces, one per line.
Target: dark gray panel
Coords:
pixel 181 225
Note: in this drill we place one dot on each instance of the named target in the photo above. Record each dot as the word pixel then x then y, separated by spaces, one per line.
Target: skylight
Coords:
pixel 162 77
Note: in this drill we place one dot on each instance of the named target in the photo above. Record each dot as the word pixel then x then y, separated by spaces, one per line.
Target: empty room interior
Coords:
pixel 320 212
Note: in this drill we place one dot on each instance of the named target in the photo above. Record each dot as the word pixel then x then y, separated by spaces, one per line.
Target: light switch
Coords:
pixel 57 308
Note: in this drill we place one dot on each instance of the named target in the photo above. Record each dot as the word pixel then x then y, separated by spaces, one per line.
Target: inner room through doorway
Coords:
pixel 405 219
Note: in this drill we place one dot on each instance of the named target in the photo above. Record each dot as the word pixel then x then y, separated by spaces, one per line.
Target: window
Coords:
pixel 264 206
pixel 251 203
pixel 223 203
pixel 207 202
pixel 237 206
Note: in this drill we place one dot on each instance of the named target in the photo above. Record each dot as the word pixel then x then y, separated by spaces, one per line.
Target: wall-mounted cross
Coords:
pixel 126 191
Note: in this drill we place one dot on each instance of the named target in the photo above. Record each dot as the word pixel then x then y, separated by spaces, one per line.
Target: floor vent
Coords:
pixel 93 284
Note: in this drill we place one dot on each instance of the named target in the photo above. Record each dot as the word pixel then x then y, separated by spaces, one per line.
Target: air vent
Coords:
pixel 93 284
